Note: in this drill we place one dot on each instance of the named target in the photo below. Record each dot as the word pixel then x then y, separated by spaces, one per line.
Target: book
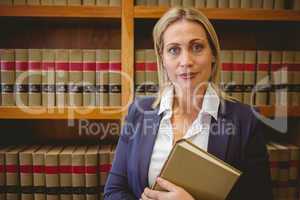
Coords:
pixel 163 3
pixel 34 77
pixel 61 77
pixel 114 3
pixel 297 75
pixel 74 2
pixel 237 74
pixel 21 86
pixel 139 72
pixel 89 2
pixel 39 177
pixel 200 173
pixel 279 4
pixel 234 3
pixel 19 2
pixel 212 4
pixel 287 77
pixel 288 63
pixel 60 2
pixel 294 163
pixel 91 172
pixel 104 165
pixel 6 2
pixel 26 172
pixel 102 77
pixel 151 75
pixel 262 78
pixel 33 2
pixel 226 70
pixel 188 3
pixel 114 77
pixel 245 3
pixel 275 77
pixel 3 150
pixel 89 77
pixel 268 4
pixel 249 76
pixel 102 2
pixel 151 2
pixel 65 172
pixel 78 173
pixel 256 3
pixel 7 69
pixel 175 3
pixel 296 5
pixel 75 77
pixel 274 169
pixel 48 78
pixel 223 4
pixel 47 2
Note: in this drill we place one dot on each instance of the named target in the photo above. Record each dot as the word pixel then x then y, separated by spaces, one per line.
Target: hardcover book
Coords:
pixel 78 173
pixel 48 78
pixel 249 77
pixel 34 77
pixel 61 77
pixel 7 61
pixel 102 77
pixel 75 77
pixel 139 72
pixel 262 78
pixel 89 77
pixel 21 86
pixel 114 77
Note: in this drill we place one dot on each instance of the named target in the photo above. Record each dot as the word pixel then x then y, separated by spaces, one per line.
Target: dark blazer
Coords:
pixel 235 137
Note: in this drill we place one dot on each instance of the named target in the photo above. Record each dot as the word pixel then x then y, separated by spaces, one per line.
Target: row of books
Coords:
pixel 284 162
pixel 273 75
pixel 62 2
pixel 54 172
pixel 61 77
pixel 256 4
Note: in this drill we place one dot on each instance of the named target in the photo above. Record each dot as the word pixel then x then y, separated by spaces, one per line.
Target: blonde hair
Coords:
pixel 171 16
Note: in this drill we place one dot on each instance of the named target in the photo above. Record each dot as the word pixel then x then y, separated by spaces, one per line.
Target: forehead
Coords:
pixel 184 30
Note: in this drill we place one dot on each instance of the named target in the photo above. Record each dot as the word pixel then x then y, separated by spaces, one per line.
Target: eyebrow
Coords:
pixel 191 41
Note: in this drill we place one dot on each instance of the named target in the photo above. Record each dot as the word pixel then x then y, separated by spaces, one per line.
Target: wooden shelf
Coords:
pixel 13 112
pixel 60 11
pixel 226 14
pixel 280 111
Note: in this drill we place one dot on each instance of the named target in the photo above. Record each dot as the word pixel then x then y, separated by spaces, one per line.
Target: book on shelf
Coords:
pixel 74 2
pixel 3 151
pixel 249 76
pixel 268 4
pixel 65 172
pixel 89 2
pixel 19 2
pixel 256 3
pixel 274 170
pixel 102 2
pixel 61 77
pixel 75 77
pixel 200 173
pixel 91 172
pixel 200 3
pixel 48 78
pixel 21 86
pixel 114 77
pixel 293 171
pixel 245 3
pixel 33 2
pixel 7 62
pixel 163 3
pixel 212 4
pixel 279 4
pixel 104 165
pixel 297 75
pixel 89 77
pixel 139 74
pixel 226 70
pixel 46 2
pixel 60 2
pixel 262 78
pixel 286 77
pixel 151 2
pixel 296 5
pixel 234 3
pixel 151 76
pixel 275 77
pixel 237 74
pixel 34 77
pixel 188 3
pixel 102 77
pixel 115 3
pixel 78 173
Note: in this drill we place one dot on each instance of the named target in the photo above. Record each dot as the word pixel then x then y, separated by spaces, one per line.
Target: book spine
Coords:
pixel 65 175
pixel 102 77
pixel 188 3
pixel 89 78
pixel 249 76
pixel 284 159
pixel 275 76
pixel 39 178
pixel 114 3
pixel 19 2
pixel 245 3
pixel 296 5
pixel 34 77
pixel 75 78
pixel 163 2
pixel 200 3
pixel 237 74
pixel 7 77
pixel 151 87
pixel 114 77
pixel 234 3
pixel 60 2
pixel 262 78
pixel 212 4
pixel 91 175
pixel 6 2
pixel 33 2
pixel 268 4
pixel 47 2
pixel 287 77
pixel 223 4
pixel 152 2
pixel 89 2
pixel 257 4
pixel 74 2
pixel 2 173
pixel 226 70
pixel 292 79
pixel 274 170
pixel 61 77
pixel 52 175
pixel 297 75
pixel 140 72
pixel 48 78
pixel 293 172
pixel 102 2
pixel 21 86
pixel 175 2
pixel 104 165
pixel 78 173
pixel 278 4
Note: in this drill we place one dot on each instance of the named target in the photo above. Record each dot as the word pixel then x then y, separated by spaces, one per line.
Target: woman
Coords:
pixel 191 106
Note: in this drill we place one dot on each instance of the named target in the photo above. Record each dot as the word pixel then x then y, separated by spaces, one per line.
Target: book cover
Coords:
pixel 175 3
pixel 52 173
pixel 287 77
pixel 226 70
pixel 245 3
pixel 7 62
pixel 200 173
pixel 139 72
pixel 237 74
pixel 34 77
pixel 61 77
pixel 151 75
pixel 48 78
pixel 21 86
pixel 19 2
pixel 274 168
pixel 151 2
pixel 102 77
pixel 113 3
pixel 33 2
pixel 256 3
pixel 89 2
pixel 104 165
pixel 163 2
pixel 75 77
pixel 39 177
pixel 262 78
pixel 78 173
pixel 26 172
pixel 275 77
pixel 279 4
pixel 89 77
pixel 223 3
pixel 114 77
pixel 74 2
pixel 102 2
pixel 91 172
pixel 47 2
pixel 249 76
pixel 212 4
pixel 65 172
pixel 234 3
pixel 188 3
pixel 60 2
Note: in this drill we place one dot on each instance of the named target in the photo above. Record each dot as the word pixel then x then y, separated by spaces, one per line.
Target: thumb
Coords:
pixel 166 184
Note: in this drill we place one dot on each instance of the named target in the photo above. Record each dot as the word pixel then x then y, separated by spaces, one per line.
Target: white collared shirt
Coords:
pixel 197 133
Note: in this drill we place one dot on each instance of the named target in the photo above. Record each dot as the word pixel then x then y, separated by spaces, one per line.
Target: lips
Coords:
pixel 187 76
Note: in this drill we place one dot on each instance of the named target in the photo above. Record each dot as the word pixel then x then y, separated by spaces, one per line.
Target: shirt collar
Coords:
pixel 210 102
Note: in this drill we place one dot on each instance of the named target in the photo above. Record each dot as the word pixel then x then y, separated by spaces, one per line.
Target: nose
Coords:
pixel 186 59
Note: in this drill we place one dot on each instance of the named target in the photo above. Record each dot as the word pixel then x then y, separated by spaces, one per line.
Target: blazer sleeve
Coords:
pixel 116 186
pixel 255 182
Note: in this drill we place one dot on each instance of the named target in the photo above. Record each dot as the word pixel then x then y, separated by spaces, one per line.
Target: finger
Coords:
pixel 144 197
pixel 166 184
pixel 153 194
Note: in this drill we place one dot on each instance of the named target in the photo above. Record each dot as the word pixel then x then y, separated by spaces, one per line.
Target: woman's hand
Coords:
pixel 173 192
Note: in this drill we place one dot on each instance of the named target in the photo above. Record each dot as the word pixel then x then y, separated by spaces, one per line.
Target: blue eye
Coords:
pixel 174 50
pixel 197 47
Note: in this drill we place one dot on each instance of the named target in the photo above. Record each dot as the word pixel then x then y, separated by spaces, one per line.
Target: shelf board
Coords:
pixel 280 111
pixel 60 11
pixel 13 112
pixel 226 14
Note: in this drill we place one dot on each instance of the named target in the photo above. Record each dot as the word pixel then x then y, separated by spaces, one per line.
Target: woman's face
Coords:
pixel 187 56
